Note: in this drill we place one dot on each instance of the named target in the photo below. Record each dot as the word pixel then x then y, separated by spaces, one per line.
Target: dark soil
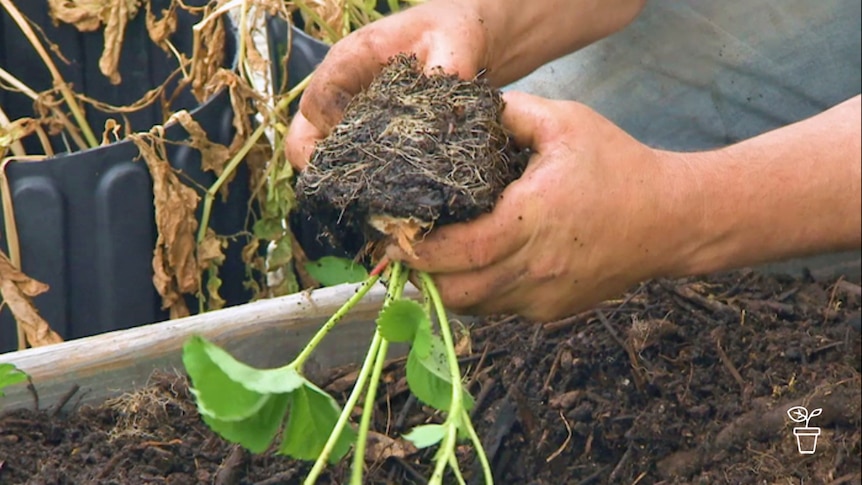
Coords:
pixel 428 149
pixel 680 382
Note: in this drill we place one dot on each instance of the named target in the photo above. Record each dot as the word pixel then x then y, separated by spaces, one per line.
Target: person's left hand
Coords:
pixel 592 215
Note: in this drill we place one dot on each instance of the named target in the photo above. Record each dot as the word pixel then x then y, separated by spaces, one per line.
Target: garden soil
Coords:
pixel 679 382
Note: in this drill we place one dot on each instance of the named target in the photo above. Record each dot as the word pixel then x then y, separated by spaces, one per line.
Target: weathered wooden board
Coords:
pixel 266 333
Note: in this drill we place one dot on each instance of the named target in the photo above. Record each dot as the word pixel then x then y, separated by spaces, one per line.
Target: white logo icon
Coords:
pixel 806 436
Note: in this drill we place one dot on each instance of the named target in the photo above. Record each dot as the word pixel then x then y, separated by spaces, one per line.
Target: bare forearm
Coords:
pixel 791 192
pixel 525 35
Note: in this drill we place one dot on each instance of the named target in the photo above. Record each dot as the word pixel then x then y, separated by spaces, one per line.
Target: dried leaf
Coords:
pixel 214 155
pixel 175 266
pixel 111 128
pixel 16 288
pixel 463 343
pixel 207 57
pixel 89 15
pixel 241 97
pixel 214 300
pixel 254 58
pixel 402 230
pixel 380 447
pixel 161 29
pixel 16 130
pixel 115 29
pixel 210 251
pixel 85 15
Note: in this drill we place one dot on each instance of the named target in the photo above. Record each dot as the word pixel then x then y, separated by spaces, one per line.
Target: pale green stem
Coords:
pixel 317 19
pixel 371 13
pixel 367 413
pixel 426 299
pixel 243 28
pixel 345 18
pixel 396 288
pixel 240 156
pixel 453 464
pixel 364 287
pixel 361 379
pixel 477 445
pixel 228 170
pixel 447 447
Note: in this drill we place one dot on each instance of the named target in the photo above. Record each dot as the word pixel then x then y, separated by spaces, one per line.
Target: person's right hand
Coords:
pixel 450 34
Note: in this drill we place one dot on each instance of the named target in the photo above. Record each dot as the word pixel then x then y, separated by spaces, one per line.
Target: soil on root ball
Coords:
pixel 413 150
pixel 680 382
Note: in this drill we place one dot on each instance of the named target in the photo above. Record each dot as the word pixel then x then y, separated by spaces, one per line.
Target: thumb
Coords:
pixel 300 140
pixel 530 119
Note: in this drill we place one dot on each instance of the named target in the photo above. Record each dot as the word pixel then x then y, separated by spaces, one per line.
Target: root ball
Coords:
pixel 413 150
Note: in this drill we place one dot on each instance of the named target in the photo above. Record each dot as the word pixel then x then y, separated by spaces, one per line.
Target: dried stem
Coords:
pixel 16 146
pixel 16 83
pixel 59 82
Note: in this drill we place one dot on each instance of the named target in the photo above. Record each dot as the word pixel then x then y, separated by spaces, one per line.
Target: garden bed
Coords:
pixel 680 382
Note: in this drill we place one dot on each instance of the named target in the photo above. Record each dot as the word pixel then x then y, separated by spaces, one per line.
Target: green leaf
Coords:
pixel 269 229
pixel 257 431
pixel 401 319
pixel 426 435
pixel 227 389
pixel 282 253
pixel 428 377
pixel 422 340
pixel 313 414
pixel 331 271
pixel 9 376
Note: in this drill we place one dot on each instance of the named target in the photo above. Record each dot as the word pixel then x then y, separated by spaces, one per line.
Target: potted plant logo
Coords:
pixel 806 436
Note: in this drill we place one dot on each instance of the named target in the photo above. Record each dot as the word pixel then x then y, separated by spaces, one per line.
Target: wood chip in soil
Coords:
pixel 680 382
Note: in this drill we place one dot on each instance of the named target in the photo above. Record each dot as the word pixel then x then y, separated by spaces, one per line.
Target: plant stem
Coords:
pixel 367 413
pixel 333 35
pixel 243 28
pixel 209 197
pixel 453 464
pixel 364 287
pixel 228 170
pixel 361 379
pixel 224 8
pixel 64 120
pixel 16 146
pixel 397 280
pixel 447 447
pixel 67 94
pixel 477 445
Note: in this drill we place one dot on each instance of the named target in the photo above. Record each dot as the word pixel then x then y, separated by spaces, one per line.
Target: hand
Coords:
pixel 590 217
pixel 444 33
pixel 507 39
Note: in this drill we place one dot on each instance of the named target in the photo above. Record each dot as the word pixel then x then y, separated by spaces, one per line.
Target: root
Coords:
pixel 412 151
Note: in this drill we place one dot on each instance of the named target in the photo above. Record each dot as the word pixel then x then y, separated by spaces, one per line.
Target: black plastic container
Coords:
pixel 85 219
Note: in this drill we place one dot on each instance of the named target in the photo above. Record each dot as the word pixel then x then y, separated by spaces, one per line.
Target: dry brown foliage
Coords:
pixel 175 267
pixel 90 15
pixel 17 289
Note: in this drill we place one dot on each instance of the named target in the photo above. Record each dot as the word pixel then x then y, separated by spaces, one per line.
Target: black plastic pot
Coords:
pixel 85 220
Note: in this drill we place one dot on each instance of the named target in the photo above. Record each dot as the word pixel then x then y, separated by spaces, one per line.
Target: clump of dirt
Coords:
pixel 413 150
